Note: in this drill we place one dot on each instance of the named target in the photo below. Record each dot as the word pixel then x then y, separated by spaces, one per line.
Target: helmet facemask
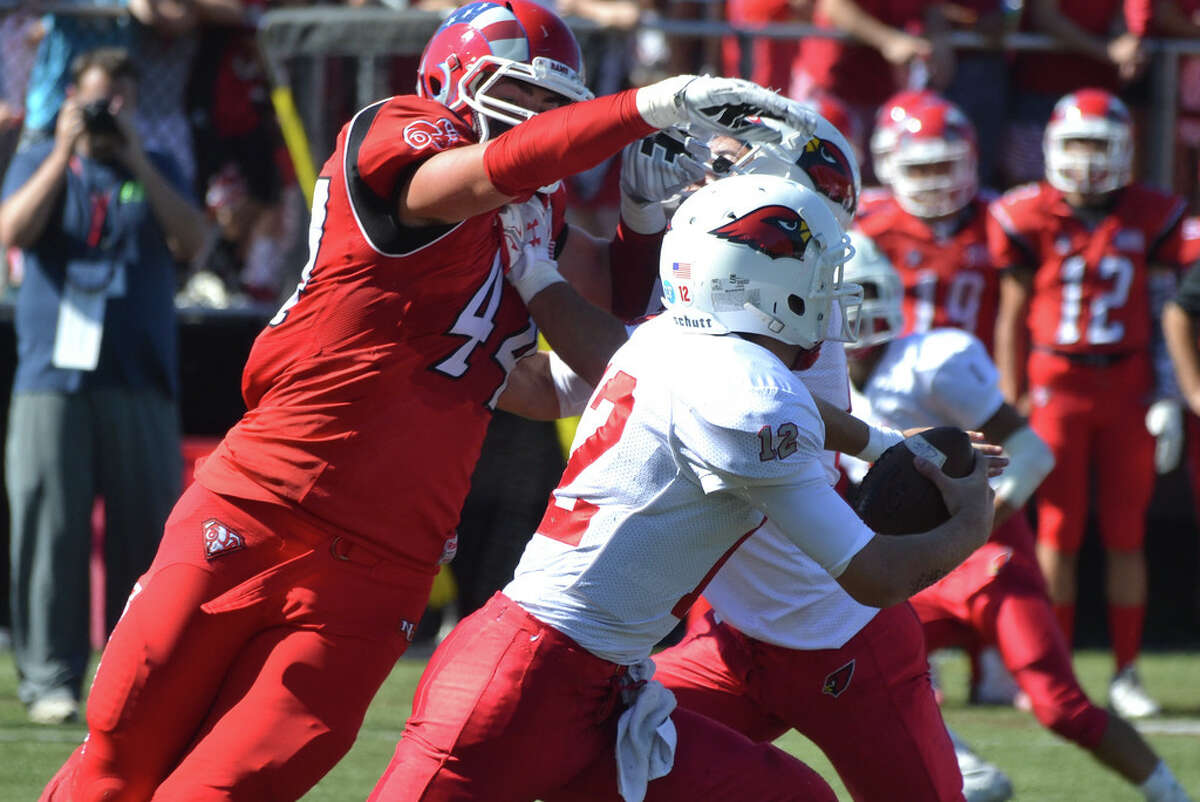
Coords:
pixel 476 86
pixel 1094 157
pixel 879 318
pixel 933 178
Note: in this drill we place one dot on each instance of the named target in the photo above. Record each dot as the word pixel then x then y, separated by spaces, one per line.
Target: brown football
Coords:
pixel 895 499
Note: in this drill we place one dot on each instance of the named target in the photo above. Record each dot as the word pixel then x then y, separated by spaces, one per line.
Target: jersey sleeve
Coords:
pixel 814 517
pixel 1009 245
pixel 386 140
pixel 756 436
pixel 964 384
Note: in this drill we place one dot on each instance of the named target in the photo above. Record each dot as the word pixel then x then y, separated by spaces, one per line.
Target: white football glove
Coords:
pixel 529 264
pixel 1164 420
pixel 707 106
pixel 656 169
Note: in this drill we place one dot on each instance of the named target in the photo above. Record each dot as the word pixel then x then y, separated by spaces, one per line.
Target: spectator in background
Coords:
pixel 1106 52
pixel 901 44
pixel 100 223
pixel 1180 19
pixel 99 23
pixel 242 260
pixel 161 38
pixel 767 62
pixel 19 35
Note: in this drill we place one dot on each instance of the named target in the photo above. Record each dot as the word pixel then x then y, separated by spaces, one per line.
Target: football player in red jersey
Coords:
pixel 933 226
pixel 291 574
pixel 1073 345
pixel 997 596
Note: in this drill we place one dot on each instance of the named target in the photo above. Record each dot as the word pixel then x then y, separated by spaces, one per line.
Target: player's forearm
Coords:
pixel 459 183
pixel 583 335
pixel 848 16
pixel 530 390
pixel 1010 338
pixel 890 569
pixel 182 223
pixel 633 260
pixel 563 142
pixel 1048 19
pixel 23 217
pixel 1180 332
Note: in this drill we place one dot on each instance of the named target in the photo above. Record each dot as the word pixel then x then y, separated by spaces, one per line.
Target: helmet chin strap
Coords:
pixel 773 324
pixel 805 357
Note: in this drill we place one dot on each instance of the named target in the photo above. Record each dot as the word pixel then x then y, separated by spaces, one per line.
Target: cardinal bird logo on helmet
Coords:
pixel 775 230
pixel 830 171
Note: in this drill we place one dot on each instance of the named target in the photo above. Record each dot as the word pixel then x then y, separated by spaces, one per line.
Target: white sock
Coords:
pixel 1161 786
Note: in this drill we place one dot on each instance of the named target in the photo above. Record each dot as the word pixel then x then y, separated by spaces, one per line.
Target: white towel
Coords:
pixel 645 733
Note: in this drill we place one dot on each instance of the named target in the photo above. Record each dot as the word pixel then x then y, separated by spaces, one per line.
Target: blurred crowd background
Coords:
pixel 247 96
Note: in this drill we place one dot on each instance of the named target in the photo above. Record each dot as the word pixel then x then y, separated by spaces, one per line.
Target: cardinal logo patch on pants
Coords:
pixel 836 682
pixel 220 540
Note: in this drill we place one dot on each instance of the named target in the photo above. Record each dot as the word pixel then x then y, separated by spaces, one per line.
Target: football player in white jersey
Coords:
pixel 997 597
pixel 698 430
pixel 791 641
pixel 786 647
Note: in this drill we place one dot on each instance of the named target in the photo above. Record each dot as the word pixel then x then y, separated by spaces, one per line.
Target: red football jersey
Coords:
pixel 1090 288
pixel 369 392
pixel 948 278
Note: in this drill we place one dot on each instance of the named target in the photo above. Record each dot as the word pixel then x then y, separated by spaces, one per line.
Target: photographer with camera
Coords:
pixel 100 224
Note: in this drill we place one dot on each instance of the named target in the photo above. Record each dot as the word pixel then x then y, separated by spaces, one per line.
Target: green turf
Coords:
pixel 1043 767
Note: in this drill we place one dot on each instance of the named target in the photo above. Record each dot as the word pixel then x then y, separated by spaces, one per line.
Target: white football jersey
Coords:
pixel 659 489
pixel 941 377
pixel 770 589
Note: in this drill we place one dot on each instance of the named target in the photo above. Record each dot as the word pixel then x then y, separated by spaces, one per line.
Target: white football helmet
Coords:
pixel 933 165
pixel 880 316
pixel 824 163
pixel 757 254
pixel 1089 114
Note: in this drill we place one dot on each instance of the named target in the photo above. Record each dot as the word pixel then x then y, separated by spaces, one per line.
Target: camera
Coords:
pixel 97 119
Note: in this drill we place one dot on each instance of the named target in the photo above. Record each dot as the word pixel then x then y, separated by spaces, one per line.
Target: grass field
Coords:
pixel 1043 767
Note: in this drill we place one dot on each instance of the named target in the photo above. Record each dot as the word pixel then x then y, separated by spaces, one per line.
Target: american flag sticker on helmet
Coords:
pixel 681 269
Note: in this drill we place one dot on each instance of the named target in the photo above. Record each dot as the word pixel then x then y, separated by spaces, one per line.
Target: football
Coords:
pixel 895 499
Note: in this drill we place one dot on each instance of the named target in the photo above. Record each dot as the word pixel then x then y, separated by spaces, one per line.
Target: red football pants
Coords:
pixel 998 597
pixel 511 709
pixel 244 677
pixel 1093 419
pixel 869 705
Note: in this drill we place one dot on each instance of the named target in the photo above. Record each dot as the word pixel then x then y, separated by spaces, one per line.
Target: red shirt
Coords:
pixel 369 393
pixel 948 278
pixel 770 60
pixel 1061 73
pixel 856 73
pixel 1090 289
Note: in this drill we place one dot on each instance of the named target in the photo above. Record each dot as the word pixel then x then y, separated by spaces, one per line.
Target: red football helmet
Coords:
pixel 484 42
pixel 887 121
pixel 934 164
pixel 1089 114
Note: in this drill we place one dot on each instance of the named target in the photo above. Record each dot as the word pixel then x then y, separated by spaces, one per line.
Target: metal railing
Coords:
pixel 372 34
